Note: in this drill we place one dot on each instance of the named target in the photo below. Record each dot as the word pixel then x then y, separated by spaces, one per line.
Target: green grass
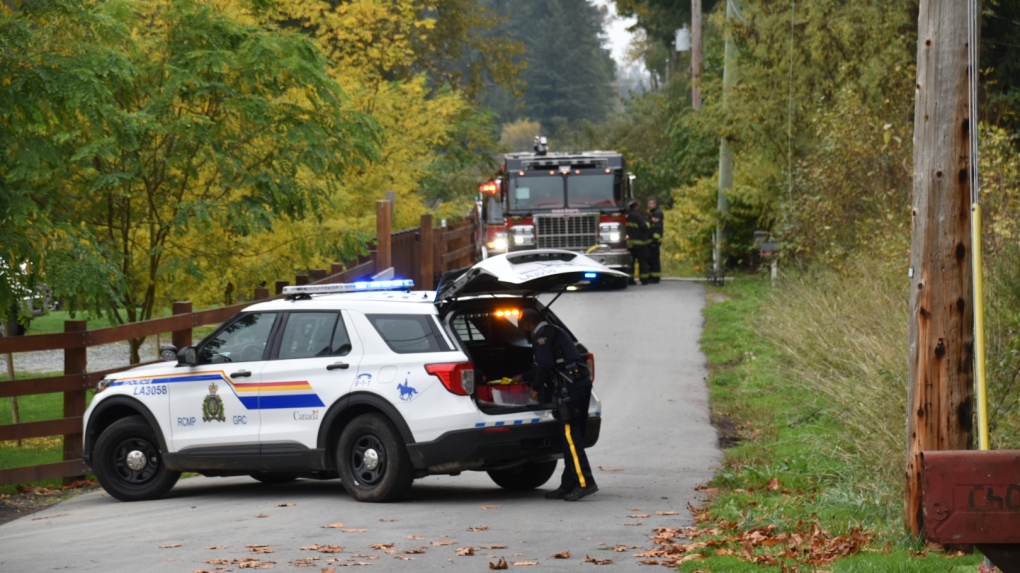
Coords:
pixel 809 376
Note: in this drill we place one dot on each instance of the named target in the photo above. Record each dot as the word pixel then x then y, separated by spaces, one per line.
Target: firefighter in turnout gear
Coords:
pixel 637 241
pixel 560 370
pixel 655 233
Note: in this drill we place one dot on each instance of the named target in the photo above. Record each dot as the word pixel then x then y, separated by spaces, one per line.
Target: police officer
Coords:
pixel 655 225
pixel 559 367
pixel 637 241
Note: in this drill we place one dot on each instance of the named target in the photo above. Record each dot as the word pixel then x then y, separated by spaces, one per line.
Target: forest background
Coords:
pixel 149 149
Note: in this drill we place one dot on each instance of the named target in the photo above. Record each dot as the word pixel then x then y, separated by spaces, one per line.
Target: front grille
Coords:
pixel 571 231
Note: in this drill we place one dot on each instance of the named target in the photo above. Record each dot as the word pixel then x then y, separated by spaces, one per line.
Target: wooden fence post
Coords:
pixel 280 285
pixel 383 236
pixel 182 338
pixel 425 254
pixel 75 364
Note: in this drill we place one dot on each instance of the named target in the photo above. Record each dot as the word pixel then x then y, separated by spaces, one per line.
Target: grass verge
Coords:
pixel 809 377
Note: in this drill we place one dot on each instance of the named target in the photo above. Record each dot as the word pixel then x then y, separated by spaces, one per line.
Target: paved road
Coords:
pixel 656 446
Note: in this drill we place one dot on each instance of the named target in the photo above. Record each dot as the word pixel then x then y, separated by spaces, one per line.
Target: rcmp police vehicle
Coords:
pixel 374 386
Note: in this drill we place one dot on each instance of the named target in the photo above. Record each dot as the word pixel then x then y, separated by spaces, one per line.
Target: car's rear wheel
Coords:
pixel 525 476
pixel 128 463
pixel 372 460
pixel 273 479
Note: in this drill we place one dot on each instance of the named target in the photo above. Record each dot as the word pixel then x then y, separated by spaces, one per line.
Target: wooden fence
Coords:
pixel 422 254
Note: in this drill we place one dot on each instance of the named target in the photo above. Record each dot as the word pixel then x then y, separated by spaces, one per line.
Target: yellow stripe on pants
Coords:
pixel 573 455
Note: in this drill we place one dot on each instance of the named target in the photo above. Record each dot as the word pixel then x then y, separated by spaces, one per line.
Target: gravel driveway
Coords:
pixel 101 357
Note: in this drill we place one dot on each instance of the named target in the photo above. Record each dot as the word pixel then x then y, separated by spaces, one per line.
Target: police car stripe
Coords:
pixel 253 395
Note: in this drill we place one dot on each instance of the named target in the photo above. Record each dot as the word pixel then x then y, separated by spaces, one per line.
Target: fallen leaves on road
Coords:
pixel 590 559
pixel 416 550
pixel 215 547
pixel 261 516
pixel 605 469
pixel 491 547
pixel 466 551
pixel 286 504
pixel 665 513
pixel 305 562
pixel 323 548
pixel 242 563
pixel 170 546
pixel 524 563
pixel 639 516
pixel 336 525
pixel 501 564
pixel 444 542
pixel 479 528
pixel 490 507
pixel 354 530
pixel 382 546
pixel 563 555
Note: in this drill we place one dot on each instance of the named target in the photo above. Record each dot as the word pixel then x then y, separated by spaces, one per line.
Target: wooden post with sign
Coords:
pixel 940 367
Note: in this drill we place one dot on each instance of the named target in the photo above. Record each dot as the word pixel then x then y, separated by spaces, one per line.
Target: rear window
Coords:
pixel 409 333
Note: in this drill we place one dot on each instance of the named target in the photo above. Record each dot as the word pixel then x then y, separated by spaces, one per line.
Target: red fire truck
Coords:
pixel 491 231
pixel 567 200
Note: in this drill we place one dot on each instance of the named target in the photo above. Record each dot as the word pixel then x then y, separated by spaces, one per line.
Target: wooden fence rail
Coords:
pixel 422 254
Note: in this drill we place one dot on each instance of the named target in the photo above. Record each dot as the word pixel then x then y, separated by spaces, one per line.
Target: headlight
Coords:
pixel 523 235
pixel 103 384
pixel 499 242
pixel 609 233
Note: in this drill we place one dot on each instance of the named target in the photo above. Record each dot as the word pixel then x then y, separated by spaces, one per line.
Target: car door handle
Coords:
pixel 240 374
pixel 340 365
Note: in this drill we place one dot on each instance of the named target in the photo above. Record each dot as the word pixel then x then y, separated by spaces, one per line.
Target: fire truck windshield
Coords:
pixel 531 192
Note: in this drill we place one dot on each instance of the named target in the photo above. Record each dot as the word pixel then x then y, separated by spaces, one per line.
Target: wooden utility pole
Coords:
pixel 696 54
pixel 940 369
pixel 725 151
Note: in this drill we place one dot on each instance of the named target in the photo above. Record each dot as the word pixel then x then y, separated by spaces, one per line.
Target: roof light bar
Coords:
pixel 362 286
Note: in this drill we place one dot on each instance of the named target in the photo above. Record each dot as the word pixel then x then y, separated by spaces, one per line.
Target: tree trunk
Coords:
pixel 940 366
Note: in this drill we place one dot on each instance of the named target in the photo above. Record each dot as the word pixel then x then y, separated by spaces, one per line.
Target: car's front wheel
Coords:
pixel 372 460
pixel 128 463
pixel 526 476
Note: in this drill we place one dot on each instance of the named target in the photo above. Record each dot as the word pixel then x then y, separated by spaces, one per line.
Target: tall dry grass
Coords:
pixel 843 336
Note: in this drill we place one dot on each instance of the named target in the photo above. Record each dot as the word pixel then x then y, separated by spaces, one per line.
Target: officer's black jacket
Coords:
pixel 549 343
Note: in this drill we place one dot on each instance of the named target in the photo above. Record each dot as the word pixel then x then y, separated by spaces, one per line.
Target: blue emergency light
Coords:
pixel 590 275
pixel 360 286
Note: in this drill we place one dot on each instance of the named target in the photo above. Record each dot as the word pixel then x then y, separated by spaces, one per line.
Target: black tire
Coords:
pixel 526 476
pixel 372 460
pixel 273 479
pixel 128 463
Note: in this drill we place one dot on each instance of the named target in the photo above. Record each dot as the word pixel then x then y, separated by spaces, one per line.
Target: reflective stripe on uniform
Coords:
pixel 573 456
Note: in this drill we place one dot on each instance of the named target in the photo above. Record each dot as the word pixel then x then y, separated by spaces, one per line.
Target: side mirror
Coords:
pixel 168 352
pixel 631 185
pixel 187 356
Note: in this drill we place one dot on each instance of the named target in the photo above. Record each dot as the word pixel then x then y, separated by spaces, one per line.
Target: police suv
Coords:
pixel 376 387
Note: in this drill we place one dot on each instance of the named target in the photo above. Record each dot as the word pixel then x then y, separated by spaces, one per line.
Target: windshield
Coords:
pixel 591 191
pixel 536 192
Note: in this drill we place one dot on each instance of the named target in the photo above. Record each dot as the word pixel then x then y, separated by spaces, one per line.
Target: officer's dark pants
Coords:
pixel 654 264
pixel 640 256
pixel 576 471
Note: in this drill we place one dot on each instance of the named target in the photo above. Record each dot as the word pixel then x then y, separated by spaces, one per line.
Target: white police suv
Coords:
pixel 376 387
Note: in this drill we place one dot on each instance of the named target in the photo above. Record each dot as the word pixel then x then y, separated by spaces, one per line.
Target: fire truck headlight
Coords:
pixel 609 233
pixel 523 235
pixel 499 243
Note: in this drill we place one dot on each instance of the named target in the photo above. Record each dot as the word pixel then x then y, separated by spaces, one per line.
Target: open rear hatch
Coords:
pixel 487 325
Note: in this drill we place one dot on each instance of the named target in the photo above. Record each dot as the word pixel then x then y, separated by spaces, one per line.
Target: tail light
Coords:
pixel 591 366
pixel 458 377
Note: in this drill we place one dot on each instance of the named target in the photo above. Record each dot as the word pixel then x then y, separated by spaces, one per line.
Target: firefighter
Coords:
pixel 655 224
pixel 637 242
pixel 559 368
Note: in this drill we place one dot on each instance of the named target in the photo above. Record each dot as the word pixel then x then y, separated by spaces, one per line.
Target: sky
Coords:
pixel 619 37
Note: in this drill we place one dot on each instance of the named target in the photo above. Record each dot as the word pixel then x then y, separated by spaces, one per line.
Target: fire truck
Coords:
pixel 491 231
pixel 567 200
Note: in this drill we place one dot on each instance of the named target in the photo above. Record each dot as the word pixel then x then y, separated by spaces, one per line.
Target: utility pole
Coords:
pixel 725 152
pixel 696 54
pixel 941 359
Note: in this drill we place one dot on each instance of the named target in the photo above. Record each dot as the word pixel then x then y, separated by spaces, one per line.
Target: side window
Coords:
pixel 310 334
pixel 243 340
pixel 409 333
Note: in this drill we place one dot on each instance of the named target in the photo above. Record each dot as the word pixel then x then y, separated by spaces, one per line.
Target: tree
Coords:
pixel 569 73
pixel 187 121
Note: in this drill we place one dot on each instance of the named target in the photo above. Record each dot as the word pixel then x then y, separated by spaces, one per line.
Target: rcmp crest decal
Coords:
pixel 212 406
